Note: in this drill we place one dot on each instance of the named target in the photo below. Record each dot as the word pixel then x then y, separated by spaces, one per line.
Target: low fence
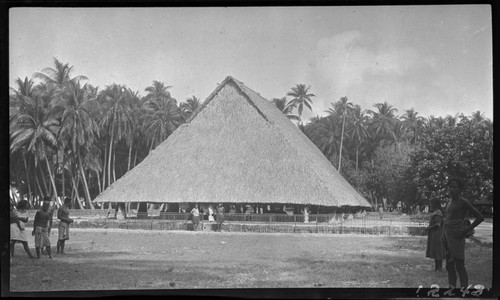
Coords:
pixel 372 223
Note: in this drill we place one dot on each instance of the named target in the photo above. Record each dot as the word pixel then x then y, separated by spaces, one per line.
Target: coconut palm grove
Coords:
pixel 69 138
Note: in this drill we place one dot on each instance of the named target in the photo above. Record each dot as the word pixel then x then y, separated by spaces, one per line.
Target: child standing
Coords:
pixel 65 220
pixel 40 229
pixel 434 236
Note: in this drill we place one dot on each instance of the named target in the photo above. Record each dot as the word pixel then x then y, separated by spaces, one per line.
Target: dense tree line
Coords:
pixel 407 158
pixel 68 138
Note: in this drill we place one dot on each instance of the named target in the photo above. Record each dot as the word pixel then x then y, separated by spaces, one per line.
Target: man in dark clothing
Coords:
pixel 455 230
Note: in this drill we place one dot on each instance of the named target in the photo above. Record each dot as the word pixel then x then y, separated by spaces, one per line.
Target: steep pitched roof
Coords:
pixel 237 147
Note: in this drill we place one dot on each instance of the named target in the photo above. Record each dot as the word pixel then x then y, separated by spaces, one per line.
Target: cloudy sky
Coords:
pixel 435 59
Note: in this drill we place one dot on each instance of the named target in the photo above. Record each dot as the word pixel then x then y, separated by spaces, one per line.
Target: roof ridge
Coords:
pixel 241 87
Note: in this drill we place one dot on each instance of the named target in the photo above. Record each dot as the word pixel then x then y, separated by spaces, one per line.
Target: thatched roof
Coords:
pixel 236 148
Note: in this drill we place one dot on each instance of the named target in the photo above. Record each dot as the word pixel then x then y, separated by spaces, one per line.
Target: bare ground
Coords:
pixel 117 259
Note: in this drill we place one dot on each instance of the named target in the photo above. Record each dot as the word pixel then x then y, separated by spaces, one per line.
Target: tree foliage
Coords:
pixel 459 150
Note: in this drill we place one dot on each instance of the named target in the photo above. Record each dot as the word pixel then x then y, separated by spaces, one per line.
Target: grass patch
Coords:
pixel 108 259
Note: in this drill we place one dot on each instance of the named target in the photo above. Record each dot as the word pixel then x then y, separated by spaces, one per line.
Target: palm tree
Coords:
pixel 56 80
pixel 359 130
pixel 157 90
pixel 78 126
pixel 325 134
pixel 477 116
pixel 16 103
pixel 301 97
pixel 434 123
pixel 115 119
pixel 413 123
pixel 383 122
pixel 187 108
pixel 59 76
pixel 451 121
pixel 24 88
pixel 485 127
pixel 160 118
pixel 285 108
pixel 340 108
pixel 34 128
pixel 135 106
pixel 488 135
pixel 92 162
pixel 70 164
pixel 160 113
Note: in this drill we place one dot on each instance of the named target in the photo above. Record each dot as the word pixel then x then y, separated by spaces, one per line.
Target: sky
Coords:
pixel 436 59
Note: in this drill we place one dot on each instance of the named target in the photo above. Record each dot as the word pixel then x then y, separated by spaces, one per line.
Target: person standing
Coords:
pixel 210 213
pixel 306 214
pixel 41 229
pixel 64 221
pixel 18 220
pixel 455 230
pixel 220 216
pixel 50 210
pixel 434 235
pixel 196 217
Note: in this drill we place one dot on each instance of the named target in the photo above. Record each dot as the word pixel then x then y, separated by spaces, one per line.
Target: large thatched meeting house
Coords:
pixel 237 149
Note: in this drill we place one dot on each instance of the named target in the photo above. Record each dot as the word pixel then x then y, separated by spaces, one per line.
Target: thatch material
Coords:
pixel 236 148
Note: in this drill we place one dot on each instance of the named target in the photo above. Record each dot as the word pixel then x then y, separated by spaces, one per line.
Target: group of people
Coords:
pixel 219 216
pixel 42 226
pixel 448 230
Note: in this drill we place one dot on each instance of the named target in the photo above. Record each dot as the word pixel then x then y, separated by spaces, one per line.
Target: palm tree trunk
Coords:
pixel 63 192
pixel 75 188
pixel 357 152
pixel 341 140
pixel 104 166
pixel 47 192
pixel 135 158
pixel 151 147
pixel 110 152
pixel 51 178
pixel 100 188
pixel 114 165
pixel 85 185
pixel 42 193
pixel 63 185
pixel 27 177
pixel 130 154
pixel 99 182
pixel 72 197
